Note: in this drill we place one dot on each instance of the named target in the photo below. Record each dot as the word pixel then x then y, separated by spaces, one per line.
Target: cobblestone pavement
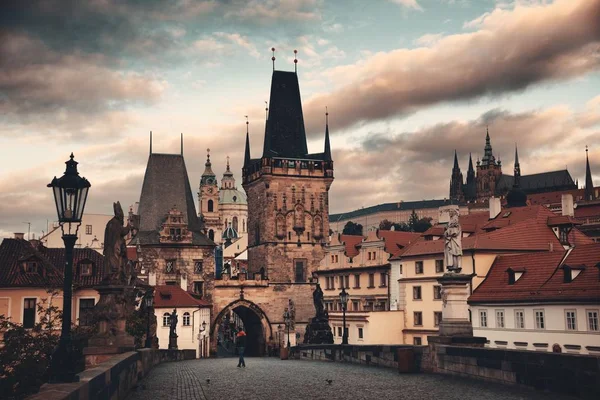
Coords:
pixel 271 378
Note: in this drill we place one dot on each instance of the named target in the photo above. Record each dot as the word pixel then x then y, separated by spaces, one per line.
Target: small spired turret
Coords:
pixel 516 197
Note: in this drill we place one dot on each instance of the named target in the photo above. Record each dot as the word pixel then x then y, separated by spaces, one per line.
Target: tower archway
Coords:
pixel 254 321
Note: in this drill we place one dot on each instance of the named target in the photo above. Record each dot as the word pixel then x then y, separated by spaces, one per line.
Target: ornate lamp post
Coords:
pixel 279 338
pixel 70 194
pixel 148 302
pixel 344 303
pixel 287 320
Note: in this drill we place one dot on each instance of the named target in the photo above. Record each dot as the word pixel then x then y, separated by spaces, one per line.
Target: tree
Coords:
pixel 387 225
pixel 418 225
pixel 25 357
pixel 352 228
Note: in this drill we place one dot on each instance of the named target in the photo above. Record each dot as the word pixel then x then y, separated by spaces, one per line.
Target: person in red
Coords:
pixel 241 345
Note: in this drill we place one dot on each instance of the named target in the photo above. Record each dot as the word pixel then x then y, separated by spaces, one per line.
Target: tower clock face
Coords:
pixel 210 189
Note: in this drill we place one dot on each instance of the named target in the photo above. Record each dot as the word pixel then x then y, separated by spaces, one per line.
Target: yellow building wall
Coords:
pixel 12 301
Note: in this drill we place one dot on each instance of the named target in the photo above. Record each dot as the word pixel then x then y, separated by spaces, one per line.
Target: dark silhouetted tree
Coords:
pixel 352 228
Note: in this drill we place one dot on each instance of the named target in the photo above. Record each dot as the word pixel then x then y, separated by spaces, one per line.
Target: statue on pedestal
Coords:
pixel 117 268
pixel 318 330
pixel 173 329
pixel 453 243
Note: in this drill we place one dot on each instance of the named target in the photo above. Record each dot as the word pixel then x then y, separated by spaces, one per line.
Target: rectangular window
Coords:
pixel 416 292
pixel 369 306
pixel 439 266
pixel 88 229
pixel 383 279
pixel 437 292
pixel 86 307
pixel 332 282
pixel 417 341
pixel 437 318
pixel 347 281
pixel 356 281
pixel 369 255
pixel 31 267
pixel 540 322
pixel 483 318
pixel 354 305
pixel 371 280
pixel 332 258
pixel 360 333
pixel 519 319
pixel 592 317
pixel 339 330
pixel 299 270
pixel 86 269
pixel 198 266
pixel 29 310
pixel 418 318
pixel 170 266
pixel 499 318
pixel 419 267
pixel 199 288
pixel 571 319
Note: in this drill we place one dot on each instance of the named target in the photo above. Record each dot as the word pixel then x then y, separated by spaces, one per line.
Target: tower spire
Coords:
pixel 456 160
pixel 247 152
pixel 327 152
pixel 589 185
pixel 488 155
pixel 517 169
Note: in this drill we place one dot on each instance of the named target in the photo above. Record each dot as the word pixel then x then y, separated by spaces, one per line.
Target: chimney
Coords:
pixel 151 278
pixel 495 207
pixel 183 282
pixel 19 235
pixel 568 208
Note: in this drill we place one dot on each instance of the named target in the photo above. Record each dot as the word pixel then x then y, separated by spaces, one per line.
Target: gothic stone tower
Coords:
pixel 489 172
pixel 456 181
pixel 208 201
pixel 287 188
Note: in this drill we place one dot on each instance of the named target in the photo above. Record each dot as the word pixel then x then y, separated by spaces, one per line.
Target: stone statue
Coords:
pixel 453 243
pixel 173 323
pixel 318 301
pixel 116 263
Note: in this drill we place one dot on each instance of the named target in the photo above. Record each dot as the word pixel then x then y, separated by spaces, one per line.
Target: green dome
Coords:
pixel 232 196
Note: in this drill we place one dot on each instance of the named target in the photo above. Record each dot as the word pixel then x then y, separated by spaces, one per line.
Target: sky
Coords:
pixel 406 82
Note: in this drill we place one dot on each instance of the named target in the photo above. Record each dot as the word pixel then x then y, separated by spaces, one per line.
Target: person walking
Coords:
pixel 241 345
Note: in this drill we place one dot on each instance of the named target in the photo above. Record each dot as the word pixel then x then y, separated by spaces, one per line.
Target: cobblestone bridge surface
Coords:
pixel 271 378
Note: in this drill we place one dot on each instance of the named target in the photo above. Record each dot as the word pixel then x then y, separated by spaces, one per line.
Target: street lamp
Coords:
pixel 70 194
pixel 279 337
pixel 287 320
pixel 148 302
pixel 344 303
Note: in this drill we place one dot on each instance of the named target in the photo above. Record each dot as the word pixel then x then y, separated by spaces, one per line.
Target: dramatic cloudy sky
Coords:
pixel 406 83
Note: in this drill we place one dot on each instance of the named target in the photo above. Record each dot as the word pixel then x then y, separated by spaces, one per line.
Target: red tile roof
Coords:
pixel 173 296
pixel 562 220
pixel 543 279
pixel 14 251
pixel 395 240
pixel 588 210
pixel 352 244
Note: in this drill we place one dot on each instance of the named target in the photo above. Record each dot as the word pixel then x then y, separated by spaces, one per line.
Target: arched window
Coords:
pixel 166 319
pixel 210 206
pixel 186 319
pixel 211 234
pixel 235 223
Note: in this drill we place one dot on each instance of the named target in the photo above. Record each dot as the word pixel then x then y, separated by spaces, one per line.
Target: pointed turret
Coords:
pixel 247 151
pixel 589 185
pixel 516 197
pixel 456 181
pixel 517 169
pixel 285 135
pixel 470 171
pixel 456 160
pixel 488 155
pixel 208 176
pixel 327 152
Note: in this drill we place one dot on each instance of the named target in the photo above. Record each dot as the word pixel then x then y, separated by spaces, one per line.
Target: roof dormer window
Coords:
pixel 85 269
pixel 514 274
pixel 30 267
pixel 570 273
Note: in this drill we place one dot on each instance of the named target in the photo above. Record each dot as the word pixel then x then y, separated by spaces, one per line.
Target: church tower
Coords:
pixel 456 181
pixel 489 172
pixel 208 201
pixel 288 191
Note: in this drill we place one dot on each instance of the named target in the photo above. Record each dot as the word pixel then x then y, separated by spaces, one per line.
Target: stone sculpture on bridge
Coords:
pixel 453 243
pixel 318 330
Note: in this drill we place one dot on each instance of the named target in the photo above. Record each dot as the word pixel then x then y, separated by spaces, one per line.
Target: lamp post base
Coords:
pixel 62 366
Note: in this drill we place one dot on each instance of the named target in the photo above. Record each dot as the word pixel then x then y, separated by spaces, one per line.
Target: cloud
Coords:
pixel 429 39
pixel 241 41
pixel 408 4
pixel 268 11
pixel 419 163
pixel 511 50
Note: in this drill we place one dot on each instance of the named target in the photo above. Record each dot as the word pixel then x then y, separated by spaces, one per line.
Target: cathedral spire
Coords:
pixel 327 152
pixel 516 197
pixel 247 152
pixel 589 185
pixel 488 155
pixel 456 181
pixel 456 160
pixel 517 169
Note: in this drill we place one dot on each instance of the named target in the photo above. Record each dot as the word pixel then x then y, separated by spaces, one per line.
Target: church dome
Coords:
pixel 232 196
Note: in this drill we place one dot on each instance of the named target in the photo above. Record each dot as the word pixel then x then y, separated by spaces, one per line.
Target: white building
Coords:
pixel 544 302
pixel 90 233
pixel 193 319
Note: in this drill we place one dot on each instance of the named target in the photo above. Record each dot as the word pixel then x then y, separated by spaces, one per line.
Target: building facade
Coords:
pixel 90 233
pixel 541 302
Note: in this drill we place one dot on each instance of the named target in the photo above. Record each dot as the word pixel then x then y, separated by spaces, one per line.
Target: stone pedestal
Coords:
pixel 455 311
pixel 318 331
pixel 173 341
pixel 115 305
